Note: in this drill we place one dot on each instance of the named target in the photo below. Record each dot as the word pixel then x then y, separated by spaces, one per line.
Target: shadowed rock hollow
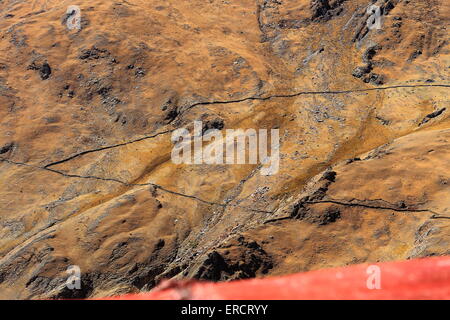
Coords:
pixel 86 117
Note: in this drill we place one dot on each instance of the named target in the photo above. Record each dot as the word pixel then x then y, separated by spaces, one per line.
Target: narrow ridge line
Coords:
pixel 106 148
pixel 368 206
pixel 296 94
pixel 156 186
pixel 238 101
pixel 435 215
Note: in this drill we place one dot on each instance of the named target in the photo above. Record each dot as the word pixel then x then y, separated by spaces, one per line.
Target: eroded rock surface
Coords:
pixel 86 117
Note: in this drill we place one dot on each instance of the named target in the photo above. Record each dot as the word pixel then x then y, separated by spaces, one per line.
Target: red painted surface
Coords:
pixel 416 279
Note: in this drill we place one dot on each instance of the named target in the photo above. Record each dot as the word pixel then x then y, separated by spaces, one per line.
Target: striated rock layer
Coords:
pixel 86 117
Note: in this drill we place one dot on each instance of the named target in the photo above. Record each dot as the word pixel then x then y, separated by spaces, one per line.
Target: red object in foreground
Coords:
pixel 416 279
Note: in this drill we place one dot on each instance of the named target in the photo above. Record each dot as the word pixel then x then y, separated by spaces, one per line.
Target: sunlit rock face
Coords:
pixel 88 107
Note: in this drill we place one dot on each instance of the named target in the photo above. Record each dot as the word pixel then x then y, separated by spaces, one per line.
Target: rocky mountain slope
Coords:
pixel 86 118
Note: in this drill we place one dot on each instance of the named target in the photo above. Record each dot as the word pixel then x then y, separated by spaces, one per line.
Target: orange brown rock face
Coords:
pixel 86 118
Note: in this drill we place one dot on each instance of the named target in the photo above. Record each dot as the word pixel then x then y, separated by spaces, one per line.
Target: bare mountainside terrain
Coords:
pixel 86 118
